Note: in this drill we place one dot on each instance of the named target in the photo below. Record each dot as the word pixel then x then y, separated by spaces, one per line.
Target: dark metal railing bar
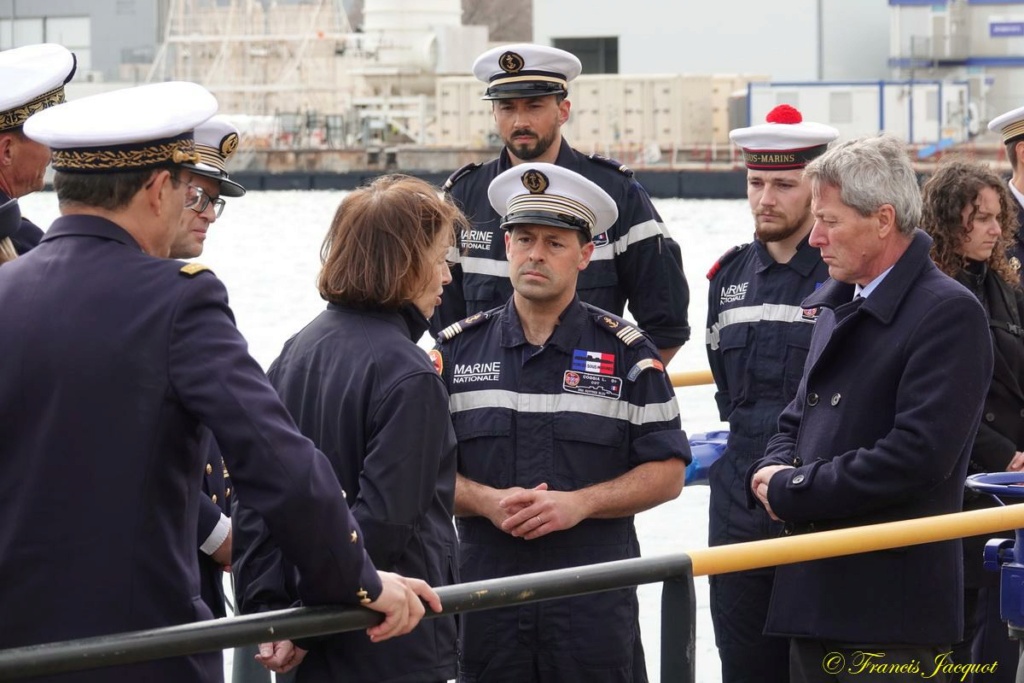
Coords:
pixel 305 622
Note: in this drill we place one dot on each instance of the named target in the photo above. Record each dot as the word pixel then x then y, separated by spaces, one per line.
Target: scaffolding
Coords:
pixel 259 60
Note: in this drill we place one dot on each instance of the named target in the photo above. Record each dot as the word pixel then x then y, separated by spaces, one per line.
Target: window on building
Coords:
pixel 790 97
pixel 598 55
pixel 932 105
pixel 74 33
pixel 840 107
pixel 20 32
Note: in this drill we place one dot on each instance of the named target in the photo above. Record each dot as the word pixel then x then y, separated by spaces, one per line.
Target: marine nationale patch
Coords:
pixel 193 269
pixel 603 386
pixel 645 364
pixel 437 360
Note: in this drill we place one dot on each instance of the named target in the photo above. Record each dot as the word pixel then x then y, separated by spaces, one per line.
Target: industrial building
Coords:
pixel 662 82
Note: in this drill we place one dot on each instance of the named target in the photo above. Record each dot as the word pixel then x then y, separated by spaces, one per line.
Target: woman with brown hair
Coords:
pixel 358 385
pixel 972 220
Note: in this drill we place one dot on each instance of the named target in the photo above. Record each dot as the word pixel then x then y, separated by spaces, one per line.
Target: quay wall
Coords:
pixel 695 174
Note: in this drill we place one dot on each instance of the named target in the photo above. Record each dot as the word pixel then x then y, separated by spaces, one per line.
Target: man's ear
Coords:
pixel 158 188
pixel 6 150
pixel 563 111
pixel 886 221
pixel 587 250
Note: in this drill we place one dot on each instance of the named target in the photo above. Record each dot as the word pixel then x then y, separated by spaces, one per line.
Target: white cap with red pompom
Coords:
pixel 785 142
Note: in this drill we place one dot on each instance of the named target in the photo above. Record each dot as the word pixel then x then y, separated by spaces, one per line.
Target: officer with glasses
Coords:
pixel 216 141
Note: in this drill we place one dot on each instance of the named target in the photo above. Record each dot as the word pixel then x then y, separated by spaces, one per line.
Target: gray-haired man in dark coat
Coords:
pixel 880 430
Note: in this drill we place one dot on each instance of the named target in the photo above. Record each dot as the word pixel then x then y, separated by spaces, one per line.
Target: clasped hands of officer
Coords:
pixel 759 485
pixel 536 512
pixel 400 603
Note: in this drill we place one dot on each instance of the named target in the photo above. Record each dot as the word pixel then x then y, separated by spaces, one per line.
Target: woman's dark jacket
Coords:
pixel 1001 433
pixel 358 385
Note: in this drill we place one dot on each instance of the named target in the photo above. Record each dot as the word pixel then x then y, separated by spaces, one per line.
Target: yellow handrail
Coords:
pixel 690 378
pixel 816 546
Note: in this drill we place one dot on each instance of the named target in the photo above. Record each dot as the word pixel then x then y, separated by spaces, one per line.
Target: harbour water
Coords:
pixel 266 248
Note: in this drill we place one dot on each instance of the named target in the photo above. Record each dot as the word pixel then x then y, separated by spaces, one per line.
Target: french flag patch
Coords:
pixel 593 361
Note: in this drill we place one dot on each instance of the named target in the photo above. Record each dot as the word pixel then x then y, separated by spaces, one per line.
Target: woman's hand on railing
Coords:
pixel 400 603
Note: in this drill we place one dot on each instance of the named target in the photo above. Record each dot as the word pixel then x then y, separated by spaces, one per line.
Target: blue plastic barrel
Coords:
pixel 706 449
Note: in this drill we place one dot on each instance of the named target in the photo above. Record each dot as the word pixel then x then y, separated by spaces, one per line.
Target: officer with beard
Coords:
pixel 757 340
pixel 634 261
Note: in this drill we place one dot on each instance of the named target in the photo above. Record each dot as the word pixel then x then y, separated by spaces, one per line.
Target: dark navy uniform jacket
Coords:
pixel 758 335
pixel 112 361
pixel 369 397
pixel 634 260
pixel 214 501
pixel 588 406
pixel 881 429
pixel 27 235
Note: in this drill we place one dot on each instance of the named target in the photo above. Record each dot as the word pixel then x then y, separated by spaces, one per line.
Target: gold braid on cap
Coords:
pixel 13 118
pixel 1013 130
pixel 138 156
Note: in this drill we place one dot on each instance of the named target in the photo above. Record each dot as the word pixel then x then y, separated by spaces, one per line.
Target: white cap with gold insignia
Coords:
pixel 1009 125
pixel 33 79
pixel 526 70
pixel 124 130
pixel 784 142
pixel 546 194
pixel 216 140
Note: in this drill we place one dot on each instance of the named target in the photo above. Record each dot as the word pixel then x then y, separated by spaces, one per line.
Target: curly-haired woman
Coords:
pixel 973 222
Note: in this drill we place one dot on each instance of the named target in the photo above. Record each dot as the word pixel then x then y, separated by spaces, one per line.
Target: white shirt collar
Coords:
pixel 866 290
pixel 1016 193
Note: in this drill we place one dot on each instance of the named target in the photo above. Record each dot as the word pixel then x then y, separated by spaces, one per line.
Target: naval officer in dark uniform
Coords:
pixel 635 261
pixel 114 359
pixel 33 79
pixel 215 141
pixel 757 340
pixel 567 427
pixel 1010 127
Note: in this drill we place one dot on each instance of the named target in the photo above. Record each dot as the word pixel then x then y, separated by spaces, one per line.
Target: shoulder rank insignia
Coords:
pixel 645 364
pixel 193 269
pixel 455 329
pixel 618 166
pixel 458 175
pixel 725 258
pixel 628 334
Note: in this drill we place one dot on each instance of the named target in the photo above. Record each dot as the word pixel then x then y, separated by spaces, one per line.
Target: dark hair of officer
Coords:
pixel 110 190
pixel 955 185
pixel 376 251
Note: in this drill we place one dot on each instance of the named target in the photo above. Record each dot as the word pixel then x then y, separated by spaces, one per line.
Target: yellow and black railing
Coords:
pixel 676 571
